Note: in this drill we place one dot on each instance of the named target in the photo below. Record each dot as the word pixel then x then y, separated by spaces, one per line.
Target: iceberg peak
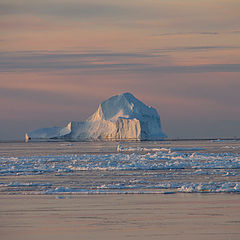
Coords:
pixel 124 105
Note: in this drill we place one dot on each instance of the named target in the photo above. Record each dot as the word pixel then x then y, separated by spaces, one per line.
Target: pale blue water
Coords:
pixel 119 167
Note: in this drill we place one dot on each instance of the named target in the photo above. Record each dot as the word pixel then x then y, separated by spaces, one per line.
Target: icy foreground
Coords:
pixel 119 117
pixel 156 172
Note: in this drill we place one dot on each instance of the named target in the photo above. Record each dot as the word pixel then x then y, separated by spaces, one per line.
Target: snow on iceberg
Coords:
pixel 119 117
pixel 48 133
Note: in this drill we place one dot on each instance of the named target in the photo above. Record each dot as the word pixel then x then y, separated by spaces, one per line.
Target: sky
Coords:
pixel 60 58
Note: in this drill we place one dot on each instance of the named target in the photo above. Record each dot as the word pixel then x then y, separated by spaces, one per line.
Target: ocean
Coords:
pixel 158 167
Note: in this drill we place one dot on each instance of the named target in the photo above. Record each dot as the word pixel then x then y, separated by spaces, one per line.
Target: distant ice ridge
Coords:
pixel 119 117
pixel 137 187
pixel 121 148
pixel 162 188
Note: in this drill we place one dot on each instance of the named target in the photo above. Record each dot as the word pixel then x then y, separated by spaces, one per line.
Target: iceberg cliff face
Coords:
pixel 120 117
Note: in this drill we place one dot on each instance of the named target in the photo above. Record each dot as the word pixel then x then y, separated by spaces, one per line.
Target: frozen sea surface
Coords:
pixel 112 167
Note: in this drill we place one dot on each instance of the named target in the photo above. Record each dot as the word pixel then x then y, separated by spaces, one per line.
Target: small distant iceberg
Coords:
pixel 121 117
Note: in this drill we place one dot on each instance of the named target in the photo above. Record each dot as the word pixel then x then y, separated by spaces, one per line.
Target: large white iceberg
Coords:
pixel 119 117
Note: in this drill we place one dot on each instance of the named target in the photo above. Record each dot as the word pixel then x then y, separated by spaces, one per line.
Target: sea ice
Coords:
pixel 140 172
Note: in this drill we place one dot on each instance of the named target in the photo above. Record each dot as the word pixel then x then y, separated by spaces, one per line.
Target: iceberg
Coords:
pixel 121 117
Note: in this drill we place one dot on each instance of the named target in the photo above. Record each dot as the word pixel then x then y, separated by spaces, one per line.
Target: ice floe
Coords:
pixel 163 171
